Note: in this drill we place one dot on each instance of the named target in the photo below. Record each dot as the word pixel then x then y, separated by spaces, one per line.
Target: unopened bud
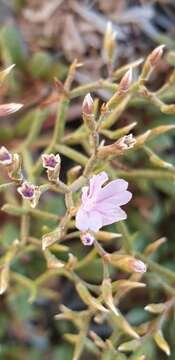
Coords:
pixel 7 109
pixel 52 163
pixel 150 63
pixel 156 55
pixel 6 157
pixel 151 248
pixel 88 105
pixel 109 44
pixel 87 238
pixel 127 263
pixel 125 83
pixel 30 192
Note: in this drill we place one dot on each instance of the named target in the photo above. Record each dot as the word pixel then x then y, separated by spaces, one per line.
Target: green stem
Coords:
pixel 146 174
pixel 58 130
pixel 126 239
pixel 72 154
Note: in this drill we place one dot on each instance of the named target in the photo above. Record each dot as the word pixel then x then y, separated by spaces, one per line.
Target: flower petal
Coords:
pixel 113 188
pixel 84 194
pixel 81 221
pixel 118 199
pixel 96 183
pixel 95 221
pixel 113 216
pixel 88 220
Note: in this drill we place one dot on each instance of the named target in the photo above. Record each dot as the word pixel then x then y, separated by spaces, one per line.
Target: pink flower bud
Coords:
pixel 125 82
pixel 156 55
pixel 6 157
pixel 88 104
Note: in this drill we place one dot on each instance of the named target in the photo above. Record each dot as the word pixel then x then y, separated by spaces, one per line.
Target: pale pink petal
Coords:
pixel 112 189
pixel 81 221
pixel 117 199
pixel 84 194
pixel 113 216
pixel 96 183
pixel 95 221
pixel 88 221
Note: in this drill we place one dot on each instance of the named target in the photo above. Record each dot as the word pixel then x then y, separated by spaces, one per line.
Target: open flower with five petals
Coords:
pixel 101 205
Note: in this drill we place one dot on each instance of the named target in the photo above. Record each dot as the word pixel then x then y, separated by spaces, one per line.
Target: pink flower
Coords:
pixel 101 205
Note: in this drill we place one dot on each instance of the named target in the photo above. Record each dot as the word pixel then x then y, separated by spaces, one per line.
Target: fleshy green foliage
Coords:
pixel 105 309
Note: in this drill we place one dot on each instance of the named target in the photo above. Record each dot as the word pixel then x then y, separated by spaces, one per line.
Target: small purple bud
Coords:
pixel 50 161
pixel 6 157
pixel 87 238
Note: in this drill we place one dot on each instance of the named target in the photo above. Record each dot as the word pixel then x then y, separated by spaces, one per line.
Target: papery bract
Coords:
pixel 101 205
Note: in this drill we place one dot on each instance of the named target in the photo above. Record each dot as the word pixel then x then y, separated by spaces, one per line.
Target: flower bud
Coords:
pixel 88 105
pixel 151 248
pixel 30 192
pixel 109 44
pixel 127 263
pixel 52 163
pixel 7 109
pixel 150 63
pixel 87 238
pixel 125 83
pixel 156 55
pixel 6 157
